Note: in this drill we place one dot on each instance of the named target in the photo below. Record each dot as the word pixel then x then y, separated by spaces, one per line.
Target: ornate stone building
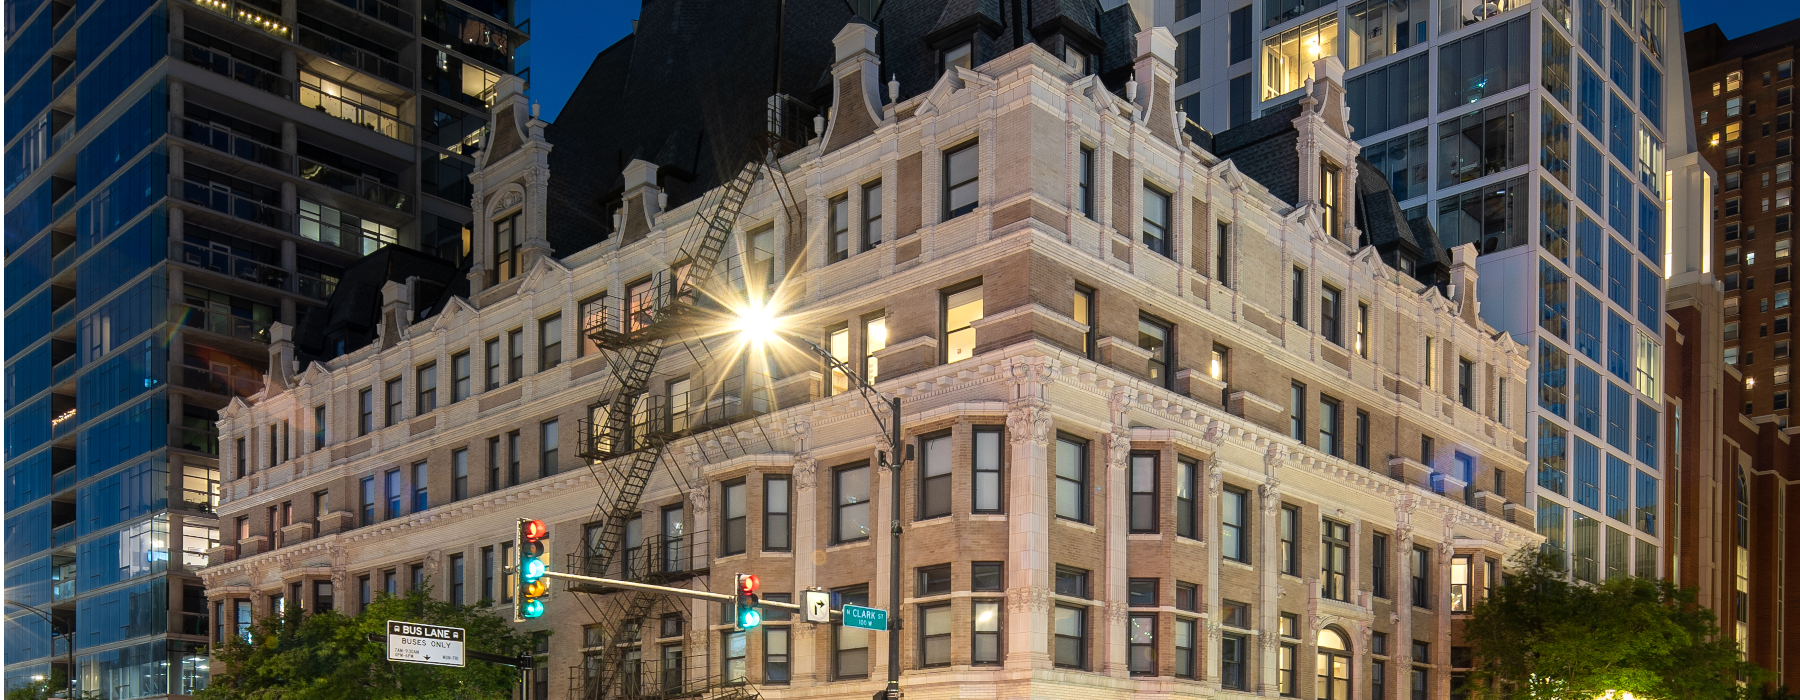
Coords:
pixel 1178 428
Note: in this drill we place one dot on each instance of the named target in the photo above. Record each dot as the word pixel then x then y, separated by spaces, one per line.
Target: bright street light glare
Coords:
pixel 756 323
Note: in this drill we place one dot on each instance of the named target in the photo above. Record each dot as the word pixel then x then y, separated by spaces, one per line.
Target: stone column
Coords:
pixel 1028 430
pixel 1116 519
pixel 1268 603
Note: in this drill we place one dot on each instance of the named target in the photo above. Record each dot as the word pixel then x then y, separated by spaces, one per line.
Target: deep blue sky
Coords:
pixel 566 34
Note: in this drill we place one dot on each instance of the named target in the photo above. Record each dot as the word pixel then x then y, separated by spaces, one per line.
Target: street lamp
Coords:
pixel 68 675
pixel 757 326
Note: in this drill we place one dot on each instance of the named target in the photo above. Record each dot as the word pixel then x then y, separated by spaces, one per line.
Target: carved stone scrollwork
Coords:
pixel 805 472
pixel 1213 630
pixel 1117 612
pixel 701 500
pixel 508 200
pixel 1028 422
pixel 1270 642
pixel 1215 479
pixel 1030 370
pixel 1028 599
pixel 1120 403
pixel 1270 491
pixel 1275 455
pixel 1118 448
pixel 1215 433
pixel 801 432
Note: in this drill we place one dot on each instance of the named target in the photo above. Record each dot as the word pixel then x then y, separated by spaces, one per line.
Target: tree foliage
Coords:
pixel 328 656
pixel 53 686
pixel 1540 636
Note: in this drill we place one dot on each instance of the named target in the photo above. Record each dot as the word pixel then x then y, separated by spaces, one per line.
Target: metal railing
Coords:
pixel 355 57
pixel 656 558
pixel 654 679
pixel 225 262
pixel 391 197
pixel 220 322
pixel 231 203
pixel 371 118
pixel 223 140
pixel 388 13
pixel 225 65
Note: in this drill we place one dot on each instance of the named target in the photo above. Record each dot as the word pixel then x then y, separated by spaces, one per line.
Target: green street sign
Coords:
pixel 865 618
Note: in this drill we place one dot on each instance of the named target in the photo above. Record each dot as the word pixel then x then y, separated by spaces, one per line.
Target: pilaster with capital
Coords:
pixel 1029 430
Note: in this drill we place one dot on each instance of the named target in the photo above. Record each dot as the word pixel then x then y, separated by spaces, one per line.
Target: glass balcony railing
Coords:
pixel 62 82
pixel 370 117
pixel 62 371
pixel 221 381
pixel 225 262
pixel 226 202
pixel 62 137
pixel 63 315
pixel 363 187
pixel 62 590
pixel 223 64
pixel 355 57
pixel 62 261
pixel 62 28
pixel 388 13
pixel 316 287
pixel 63 424
pixel 223 140
pixel 220 322
pixel 60 536
pixel 62 481
pixel 63 206
pixel 204 440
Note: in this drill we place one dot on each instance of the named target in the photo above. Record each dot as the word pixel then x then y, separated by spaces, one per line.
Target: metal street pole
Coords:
pixel 69 675
pixel 896 456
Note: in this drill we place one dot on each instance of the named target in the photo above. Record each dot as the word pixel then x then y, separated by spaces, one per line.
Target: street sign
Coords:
pixel 865 618
pixel 424 644
pixel 815 606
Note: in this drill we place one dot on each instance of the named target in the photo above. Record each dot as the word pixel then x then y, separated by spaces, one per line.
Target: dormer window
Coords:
pixel 1329 186
pixel 1077 60
pixel 962 54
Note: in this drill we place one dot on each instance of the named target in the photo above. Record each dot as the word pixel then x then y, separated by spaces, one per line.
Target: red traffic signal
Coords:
pixel 748 584
pixel 747 608
pixel 534 530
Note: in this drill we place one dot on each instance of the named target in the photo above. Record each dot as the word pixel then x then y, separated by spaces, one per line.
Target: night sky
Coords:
pixel 566 34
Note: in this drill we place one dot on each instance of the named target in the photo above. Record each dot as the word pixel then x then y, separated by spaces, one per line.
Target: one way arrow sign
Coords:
pixel 815 606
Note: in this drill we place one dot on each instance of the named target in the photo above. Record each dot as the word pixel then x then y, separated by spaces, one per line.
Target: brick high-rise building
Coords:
pixel 1177 427
pixel 181 176
pixel 1743 92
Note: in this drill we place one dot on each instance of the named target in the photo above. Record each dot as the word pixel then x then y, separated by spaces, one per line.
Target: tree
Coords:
pixel 328 655
pixel 53 686
pixel 1540 636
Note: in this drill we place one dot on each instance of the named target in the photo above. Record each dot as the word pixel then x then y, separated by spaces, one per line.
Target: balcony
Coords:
pixel 248 15
pixel 356 58
pixel 387 13
pixel 63 136
pixel 220 322
pixel 62 590
pixel 229 203
pixel 341 102
pixel 314 286
pixel 62 206
pixel 222 140
pixel 224 261
pixel 390 197
pixel 62 261
pixel 62 82
pixel 204 440
pixel 62 535
pixel 62 27
pixel 63 315
pixel 62 481
pixel 65 370
pixel 224 381
pixel 657 559
pixel 63 424
pixel 232 68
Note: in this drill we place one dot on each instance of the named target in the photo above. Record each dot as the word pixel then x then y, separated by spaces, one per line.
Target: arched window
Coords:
pixel 1334 665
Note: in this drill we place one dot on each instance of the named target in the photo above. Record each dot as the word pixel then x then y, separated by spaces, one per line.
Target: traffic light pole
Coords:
pixel 683 592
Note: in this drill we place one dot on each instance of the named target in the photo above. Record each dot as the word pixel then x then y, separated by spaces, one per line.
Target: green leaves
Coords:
pixel 1541 637
pixel 328 656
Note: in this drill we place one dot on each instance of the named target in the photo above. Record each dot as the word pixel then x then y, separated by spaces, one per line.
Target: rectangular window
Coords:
pixel 736 518
pixel 1185 658
pixel 1378 556
pixel 1362 439
pixel 987 487
pixel 777 528
pixel 850 652
pixel 1297 295
pixel 962 180
pixel 777 668
pixel 1071 478
pixel 365 411
pixel 1297 411
pixel 1140 645
pixel 425 383
pixel 1334 557
pixel 548 445
pixel 487 575
pixel 1070 627
pixel 1234 538
pixel 1287 65
pixel 1331 428
pixel 550 342
pixel 871 215
pixel 391 487
pixel 1232 665
pixel 1488 63
pixel 394 402
pixel 960 311
pixel 515 360
pixel 1222 254
pixel 1156 220
pixel 838 210
pixel 1084 182
pixel 1286 678
pixel 1143 515
pixel 985 645
pixel 1421 577
pixel 851 496
pixel 1483 142
pixel 1465 383
pixel 934 476
pixel 512 458
pixel 934 635
pixel 459 376
pixel 367 490
pixel 420 484
pixel 494 354
pixel 1083 313
pixel 1290 532
pixel 1156 337
pixel 459 466
pixel 1329 325
pixel 1220 371
pixel 1187 506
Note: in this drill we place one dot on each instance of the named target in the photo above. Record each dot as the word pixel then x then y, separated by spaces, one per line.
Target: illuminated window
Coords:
pixel 1288 57
pixel 961 310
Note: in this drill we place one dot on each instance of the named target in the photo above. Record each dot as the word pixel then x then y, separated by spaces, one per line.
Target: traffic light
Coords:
pixel 747 613
pixel 531 543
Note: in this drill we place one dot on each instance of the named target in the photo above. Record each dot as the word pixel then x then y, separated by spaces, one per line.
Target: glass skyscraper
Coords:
pixel 1535 131
pixel 181 175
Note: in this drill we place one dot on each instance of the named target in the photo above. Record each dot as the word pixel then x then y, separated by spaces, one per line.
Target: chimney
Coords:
pixel 1154 73
pixel 855 87
pixel 1324 145
pixel 396 312
pixel 643 200
pixel 1462 283
pixel 281 356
